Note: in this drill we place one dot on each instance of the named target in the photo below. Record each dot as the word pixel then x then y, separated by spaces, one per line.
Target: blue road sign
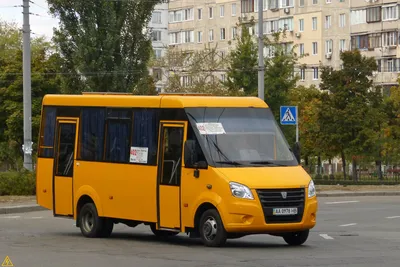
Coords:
pixel 288 115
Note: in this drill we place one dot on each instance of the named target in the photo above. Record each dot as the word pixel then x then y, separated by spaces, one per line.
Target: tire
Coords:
pixel 162 233
pixel 211 229
pixel 297 238
pixel 91 225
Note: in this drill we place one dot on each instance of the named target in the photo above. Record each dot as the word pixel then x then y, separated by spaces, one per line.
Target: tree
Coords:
pixel 196 71
pixel 242 66
pixel 103 43
pixel 349 94
pixel 45 63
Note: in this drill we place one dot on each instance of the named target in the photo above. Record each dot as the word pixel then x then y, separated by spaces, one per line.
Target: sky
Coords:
pixel 42 23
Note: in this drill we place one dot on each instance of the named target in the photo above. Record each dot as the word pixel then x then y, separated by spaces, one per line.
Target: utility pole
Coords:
pixel 260 51
pixel 27 146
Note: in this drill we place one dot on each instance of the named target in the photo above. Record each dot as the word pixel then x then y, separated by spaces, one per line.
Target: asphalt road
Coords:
pixel 361 231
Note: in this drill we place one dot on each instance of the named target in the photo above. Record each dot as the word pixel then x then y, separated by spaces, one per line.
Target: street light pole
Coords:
pixel 260 51
pixel 27 146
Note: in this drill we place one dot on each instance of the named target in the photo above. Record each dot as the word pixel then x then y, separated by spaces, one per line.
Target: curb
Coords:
pixel 358 194
pixel 20 209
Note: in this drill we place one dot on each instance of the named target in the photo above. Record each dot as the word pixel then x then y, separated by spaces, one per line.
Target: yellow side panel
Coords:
pixel 126 191
pixel 63 195
pixel 169 207
pixel 44 183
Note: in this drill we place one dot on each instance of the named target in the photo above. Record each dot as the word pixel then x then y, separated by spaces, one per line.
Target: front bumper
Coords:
pixel 247 216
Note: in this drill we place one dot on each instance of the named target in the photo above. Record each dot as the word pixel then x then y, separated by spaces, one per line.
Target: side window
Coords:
pixel 145 135
pixel 47 132
pixel 191 136
pixel 119 124
pixel 66 148
pixel 92 134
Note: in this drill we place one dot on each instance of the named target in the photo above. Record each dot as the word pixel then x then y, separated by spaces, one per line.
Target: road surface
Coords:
pixel 358 231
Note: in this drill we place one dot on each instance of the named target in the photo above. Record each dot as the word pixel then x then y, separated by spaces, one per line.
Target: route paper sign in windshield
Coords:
pixel 210 128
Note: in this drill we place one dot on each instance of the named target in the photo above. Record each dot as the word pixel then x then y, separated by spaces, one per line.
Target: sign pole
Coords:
pixel 297 125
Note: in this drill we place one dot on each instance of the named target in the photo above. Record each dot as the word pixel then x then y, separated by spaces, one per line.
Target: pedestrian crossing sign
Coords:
pixel 7 262
pixel 288 115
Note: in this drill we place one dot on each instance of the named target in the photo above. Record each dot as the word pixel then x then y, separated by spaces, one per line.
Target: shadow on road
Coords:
pixel 183 240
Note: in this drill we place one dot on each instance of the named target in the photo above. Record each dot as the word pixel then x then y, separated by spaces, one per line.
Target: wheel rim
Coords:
pixel 88 221
pixel 210 229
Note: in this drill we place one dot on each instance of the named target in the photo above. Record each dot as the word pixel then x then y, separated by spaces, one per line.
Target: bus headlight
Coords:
pixel 311 189
pixel 240 191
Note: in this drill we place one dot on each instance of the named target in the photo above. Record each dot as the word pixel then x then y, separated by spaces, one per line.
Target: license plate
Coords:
pixel 284 211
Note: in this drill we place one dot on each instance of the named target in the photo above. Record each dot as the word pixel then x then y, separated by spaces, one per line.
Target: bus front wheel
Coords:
pixel 91 224
pixel 297 238
pixel 211 228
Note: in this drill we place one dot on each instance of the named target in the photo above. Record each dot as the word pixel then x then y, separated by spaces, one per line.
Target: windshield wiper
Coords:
pixel 266 162
pixel 230 163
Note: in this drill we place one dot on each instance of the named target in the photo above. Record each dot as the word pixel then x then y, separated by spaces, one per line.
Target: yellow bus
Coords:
pixel 214 168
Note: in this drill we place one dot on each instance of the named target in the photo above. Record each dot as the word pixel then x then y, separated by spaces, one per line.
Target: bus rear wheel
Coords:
pixel 211 229
pixel 91 224
pixel 297 238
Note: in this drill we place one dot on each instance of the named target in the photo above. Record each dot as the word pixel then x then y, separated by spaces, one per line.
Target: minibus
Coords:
pixel 214 168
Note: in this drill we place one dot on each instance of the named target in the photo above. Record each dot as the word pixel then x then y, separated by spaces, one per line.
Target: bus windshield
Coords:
pixel 240 137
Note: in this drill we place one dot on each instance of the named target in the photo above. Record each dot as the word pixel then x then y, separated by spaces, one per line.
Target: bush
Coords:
pixel 17 183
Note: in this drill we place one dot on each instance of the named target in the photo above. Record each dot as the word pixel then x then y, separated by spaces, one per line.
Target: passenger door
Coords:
pixel 172 135
pixel 66 143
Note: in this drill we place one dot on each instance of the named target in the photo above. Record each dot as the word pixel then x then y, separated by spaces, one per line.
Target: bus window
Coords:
pixel 47 132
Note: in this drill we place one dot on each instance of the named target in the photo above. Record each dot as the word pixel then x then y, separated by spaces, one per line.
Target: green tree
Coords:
pixel 242 65
pixel 44 64
pixel 346 101
pixel 103 43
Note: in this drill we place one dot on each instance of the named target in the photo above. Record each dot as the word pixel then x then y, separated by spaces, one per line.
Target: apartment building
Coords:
pixel 319 28
pixel 158 26
pixel 375 32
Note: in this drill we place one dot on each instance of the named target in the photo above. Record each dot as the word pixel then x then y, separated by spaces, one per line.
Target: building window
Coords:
pixel 342 20
pixel 158 53
pixel 315 73
pixel 200 13
pixel 222 37
pixel 156 36
pixel 314 48
pixel 175 38
pixel 234 9
pixel 301 49
pixel 389 38
pixel 175 16
pixel 328 22
pixel 359 42
pixel 286 24
pixel 328 46
pixel 211 35
pixel 188 14
pixel 375 40
pixel 302 74
pixel 199 37
pixel 271 26
pixel 342 45
pixel 314 24
pixel 328 1
pixel 247 6
pixel 156 18
pixel 374 14
pixel 210 12
pixel 301 3
pixel 234 32
pixel 222 11
pixel 390 65
pixel 301 25
pixel 188 37
pixel 223 77
pixel 315 2
pixel 358 16
pixel 390 12
pixel 287 3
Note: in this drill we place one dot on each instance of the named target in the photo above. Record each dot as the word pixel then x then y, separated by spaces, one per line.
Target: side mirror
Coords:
pixel 296 151
pixel 191 156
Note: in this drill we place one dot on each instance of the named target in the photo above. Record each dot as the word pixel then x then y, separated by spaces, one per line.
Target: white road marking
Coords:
pixel 37 217
pixel 350 224
pixel 326 236
pixel 341 202
pixel 11 217
pixel 393 217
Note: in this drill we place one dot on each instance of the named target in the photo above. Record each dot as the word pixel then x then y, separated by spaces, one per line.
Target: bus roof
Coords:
pixel 159 101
